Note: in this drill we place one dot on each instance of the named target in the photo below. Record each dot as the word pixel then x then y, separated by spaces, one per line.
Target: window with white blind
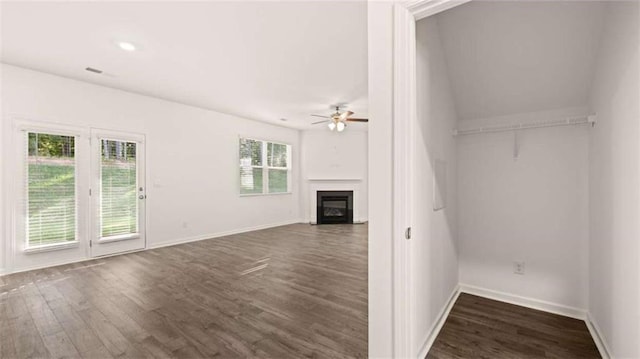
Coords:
pixel 265 167
pixel 51 191
pixel 118 188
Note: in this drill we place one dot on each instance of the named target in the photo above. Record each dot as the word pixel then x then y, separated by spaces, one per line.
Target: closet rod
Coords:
pixel 572 121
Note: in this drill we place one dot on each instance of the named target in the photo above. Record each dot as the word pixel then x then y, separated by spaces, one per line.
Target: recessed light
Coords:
pixel 127 46
pixel 284 119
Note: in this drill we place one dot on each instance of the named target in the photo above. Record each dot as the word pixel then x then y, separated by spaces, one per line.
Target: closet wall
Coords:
pixel 614 188
pixel 433 242
pixel 526 200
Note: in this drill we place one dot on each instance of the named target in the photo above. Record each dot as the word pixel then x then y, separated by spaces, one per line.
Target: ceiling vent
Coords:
pixel 91 69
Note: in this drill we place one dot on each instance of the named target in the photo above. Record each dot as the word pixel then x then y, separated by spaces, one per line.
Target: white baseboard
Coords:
pixel 532 303
pixel 47 265
pixel 160 245
pixel 437 326
pixel 595 331
pixel 220 234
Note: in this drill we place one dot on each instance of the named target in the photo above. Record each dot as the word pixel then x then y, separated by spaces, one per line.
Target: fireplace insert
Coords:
pixel 334 207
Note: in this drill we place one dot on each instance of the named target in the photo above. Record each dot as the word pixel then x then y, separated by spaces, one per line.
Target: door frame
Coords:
pixel 405 16
pixel 96 134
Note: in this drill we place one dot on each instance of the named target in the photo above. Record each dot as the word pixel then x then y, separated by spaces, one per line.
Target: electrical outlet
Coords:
pixel 518 268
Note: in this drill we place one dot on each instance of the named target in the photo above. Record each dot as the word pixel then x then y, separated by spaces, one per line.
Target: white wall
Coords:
pixel 533 209
pixel 334 155
pixel 3 203
pixel 614 285
pixel 380 47
pixel 433 243
pixel 192 167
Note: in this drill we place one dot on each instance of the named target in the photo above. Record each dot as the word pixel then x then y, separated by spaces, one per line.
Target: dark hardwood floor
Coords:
pixel 483 328
pixel 288 292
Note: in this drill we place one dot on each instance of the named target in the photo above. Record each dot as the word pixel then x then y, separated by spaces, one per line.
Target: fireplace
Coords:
pixel 334 207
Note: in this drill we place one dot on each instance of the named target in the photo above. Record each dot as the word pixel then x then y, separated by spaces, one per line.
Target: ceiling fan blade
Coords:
pixel 358 119
pixel 320 116
pixel 345 114
pixel 318 122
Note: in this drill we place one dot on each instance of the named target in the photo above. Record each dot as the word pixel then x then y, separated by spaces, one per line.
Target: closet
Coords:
pixel 526 164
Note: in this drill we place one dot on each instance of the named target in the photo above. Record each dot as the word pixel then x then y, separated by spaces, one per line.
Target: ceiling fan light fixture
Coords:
pixel 340 126
pixel 332 126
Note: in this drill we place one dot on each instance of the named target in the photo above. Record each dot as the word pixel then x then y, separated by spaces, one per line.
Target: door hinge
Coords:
pixel 90 243
pixel 407 233
pixel 89 191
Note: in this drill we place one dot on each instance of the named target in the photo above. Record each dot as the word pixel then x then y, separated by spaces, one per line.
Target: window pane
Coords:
pixel 51 189
pixel 276 155
pixel 278 181
pixel 250 152
pixel 250 180
pixel 118 188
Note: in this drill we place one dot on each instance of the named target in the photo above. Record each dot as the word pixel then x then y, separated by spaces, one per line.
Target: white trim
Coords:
pixel 48 265
pixel 52 247
pixel 264 144
pixel 114 135
pixel 130 241
pixel 404 106
pixel 405 15
pixel 18 254
pixel 222 234
pixel 437 326
pixel 422 9
pixel 23 125
pixel 601 343
pixel 527 302
pixel 119 237
pixel 263 194
pixel 334 179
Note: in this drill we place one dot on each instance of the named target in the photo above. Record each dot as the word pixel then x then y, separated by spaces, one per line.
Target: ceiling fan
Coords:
pixel 338 120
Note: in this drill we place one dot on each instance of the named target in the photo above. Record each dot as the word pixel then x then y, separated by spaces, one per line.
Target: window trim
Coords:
pixel 52 247
pixel 265 168
pixel 20 240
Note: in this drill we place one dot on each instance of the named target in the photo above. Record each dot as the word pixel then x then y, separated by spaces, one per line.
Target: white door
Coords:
pixel 117 192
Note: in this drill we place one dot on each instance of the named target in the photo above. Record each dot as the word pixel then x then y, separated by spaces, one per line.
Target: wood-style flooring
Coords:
pixel 287 292
pixel 483 328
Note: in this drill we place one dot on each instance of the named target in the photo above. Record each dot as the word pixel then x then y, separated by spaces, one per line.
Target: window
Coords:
pixel 50 189
pixel 264 167
pixel 118 188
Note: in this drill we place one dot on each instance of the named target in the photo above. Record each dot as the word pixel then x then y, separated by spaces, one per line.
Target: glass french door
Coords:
pixel 117 192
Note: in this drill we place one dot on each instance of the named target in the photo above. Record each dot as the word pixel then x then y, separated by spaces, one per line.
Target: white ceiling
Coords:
pixel 259 60
pixel 511 57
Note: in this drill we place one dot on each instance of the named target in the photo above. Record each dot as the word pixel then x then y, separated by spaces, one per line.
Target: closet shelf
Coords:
pixel 572 121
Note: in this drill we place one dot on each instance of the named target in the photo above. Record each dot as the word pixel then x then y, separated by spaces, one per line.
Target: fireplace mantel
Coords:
pixel 334 184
